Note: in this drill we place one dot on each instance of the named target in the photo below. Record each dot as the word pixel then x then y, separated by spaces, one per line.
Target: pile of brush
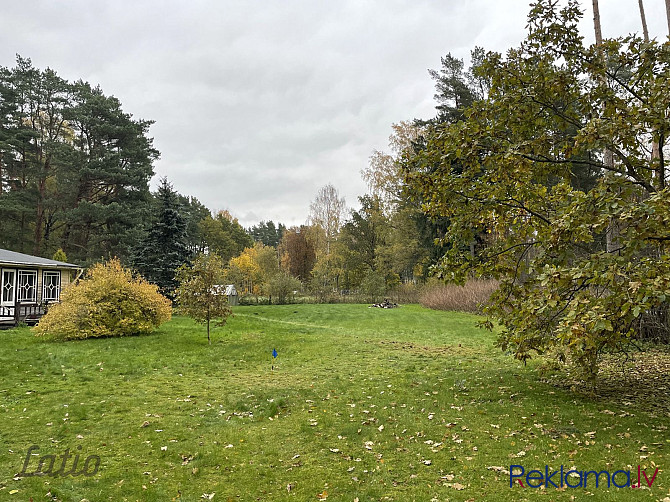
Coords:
pixel 386 304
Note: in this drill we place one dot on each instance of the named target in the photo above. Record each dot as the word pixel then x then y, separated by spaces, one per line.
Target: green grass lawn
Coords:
pixel 367 404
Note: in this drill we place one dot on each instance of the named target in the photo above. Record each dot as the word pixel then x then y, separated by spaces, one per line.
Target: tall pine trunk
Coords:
pixel 655 147
pixel 660 171
pixel 596 23
pixel 643 18
pixel 608 155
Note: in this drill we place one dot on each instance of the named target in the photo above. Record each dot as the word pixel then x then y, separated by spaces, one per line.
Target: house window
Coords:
pixel 8 285
pixel 27 287
pixel 50 286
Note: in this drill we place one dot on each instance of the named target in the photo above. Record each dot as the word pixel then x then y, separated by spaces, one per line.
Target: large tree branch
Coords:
pixel 515 204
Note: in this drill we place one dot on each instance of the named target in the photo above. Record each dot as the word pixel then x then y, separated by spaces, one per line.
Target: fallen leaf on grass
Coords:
pixel 498 468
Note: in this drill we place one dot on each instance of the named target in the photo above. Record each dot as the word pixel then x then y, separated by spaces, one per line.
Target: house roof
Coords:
pixel 14 258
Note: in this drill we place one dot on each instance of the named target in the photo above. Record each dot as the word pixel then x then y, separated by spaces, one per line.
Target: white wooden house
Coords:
pixel 29 283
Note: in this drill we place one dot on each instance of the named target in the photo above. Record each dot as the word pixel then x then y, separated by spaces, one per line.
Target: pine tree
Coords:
pixel 164 248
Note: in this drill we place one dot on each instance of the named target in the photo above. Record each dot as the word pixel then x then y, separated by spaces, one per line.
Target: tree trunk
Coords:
pixel 596 22
pixel 655 149
pixel 208 316
pixel 643 18
pixel 611 235
pixel 660 173
pixel 39 217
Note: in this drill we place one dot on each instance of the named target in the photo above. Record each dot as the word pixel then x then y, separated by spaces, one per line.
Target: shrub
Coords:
pixel 109 301
pixel 283 285
pixel 468 298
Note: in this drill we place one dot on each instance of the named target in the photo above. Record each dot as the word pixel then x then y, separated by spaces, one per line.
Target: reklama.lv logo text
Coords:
pixel 577 479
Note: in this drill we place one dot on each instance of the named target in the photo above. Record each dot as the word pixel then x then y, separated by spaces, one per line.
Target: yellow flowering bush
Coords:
pixel 109 301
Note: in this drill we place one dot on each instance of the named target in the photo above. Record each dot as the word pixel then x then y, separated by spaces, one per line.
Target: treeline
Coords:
pixel 74 176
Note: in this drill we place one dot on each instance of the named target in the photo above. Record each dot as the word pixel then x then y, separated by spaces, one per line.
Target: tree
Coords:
pixel 224 235
pixel 245 268
pixel 35 132
pixel 373 285
pixel 253 270
pixel 411 242
pixel 296 253
pixel 365 230
pixel 105 192
pixel 326 216
pixel 456 89
pixel 383 174
pixel 327 211
pixel 74 168
pixel 361 238
pixel 267 233
pixel 164 247
pixel 194 213
pixel 507 171
pixel 60 255
pixel 268 264
pixel 199 295
pixel 402 250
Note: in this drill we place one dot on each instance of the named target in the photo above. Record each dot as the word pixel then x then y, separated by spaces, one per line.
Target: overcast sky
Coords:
pixel 258 104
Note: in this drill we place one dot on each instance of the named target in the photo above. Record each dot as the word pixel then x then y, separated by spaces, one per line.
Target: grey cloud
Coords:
pixel 257 103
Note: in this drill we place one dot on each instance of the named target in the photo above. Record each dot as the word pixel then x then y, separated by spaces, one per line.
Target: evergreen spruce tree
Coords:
pixel 164 248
